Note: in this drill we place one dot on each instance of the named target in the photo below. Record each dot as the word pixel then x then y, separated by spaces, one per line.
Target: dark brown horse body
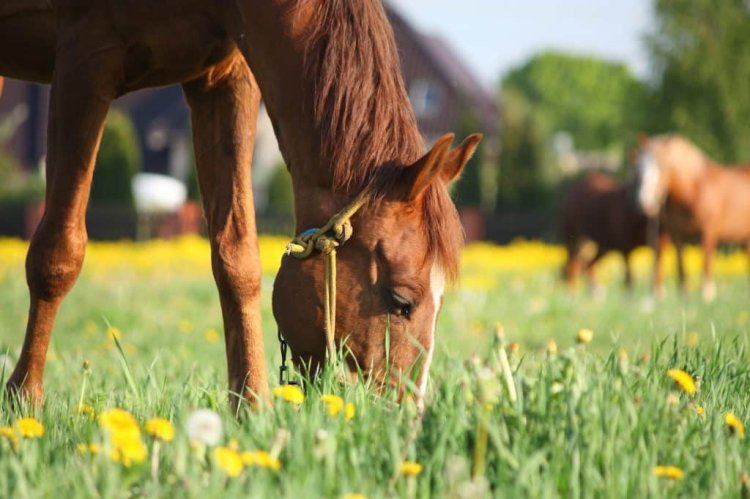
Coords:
pixel 329 74
pixel 597 208
pixel 695 198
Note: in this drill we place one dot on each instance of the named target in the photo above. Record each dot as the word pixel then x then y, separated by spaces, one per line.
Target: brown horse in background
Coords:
pixel 330 77
pixel 599 209
pixel 694 197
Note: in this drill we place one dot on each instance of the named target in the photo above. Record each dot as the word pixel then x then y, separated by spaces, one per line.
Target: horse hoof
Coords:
pixel 709 292
pixel 19 394
pixel 648 304
pixel 598 293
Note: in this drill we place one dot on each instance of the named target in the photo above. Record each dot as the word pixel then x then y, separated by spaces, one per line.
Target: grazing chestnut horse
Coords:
pixel 330 77
pixel 598 208
pixel 694 198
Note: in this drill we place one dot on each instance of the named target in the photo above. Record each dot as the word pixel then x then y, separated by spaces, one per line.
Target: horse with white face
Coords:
pixel 694 197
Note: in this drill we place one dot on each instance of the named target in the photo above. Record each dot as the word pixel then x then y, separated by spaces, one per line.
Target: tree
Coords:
pixel 523 180
pixel 468 190
pixel 599 103
pixel 118 160
pixel 701 53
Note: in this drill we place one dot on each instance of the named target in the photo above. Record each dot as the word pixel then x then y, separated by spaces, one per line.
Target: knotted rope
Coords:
pixel 327 239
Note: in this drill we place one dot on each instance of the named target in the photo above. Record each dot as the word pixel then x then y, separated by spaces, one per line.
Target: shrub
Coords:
pixel 118 161
pixel 280 194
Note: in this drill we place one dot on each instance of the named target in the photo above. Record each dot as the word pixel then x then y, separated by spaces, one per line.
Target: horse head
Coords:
pixel 667 165
pixel 390 274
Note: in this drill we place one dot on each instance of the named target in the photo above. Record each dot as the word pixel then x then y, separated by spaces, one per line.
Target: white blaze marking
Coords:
pixel 437 286
pixel 648 193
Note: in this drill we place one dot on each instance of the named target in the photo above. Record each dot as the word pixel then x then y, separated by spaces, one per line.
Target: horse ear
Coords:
pixel 642 139
pixel 458 157
pixel 632 157
pixel 429 166
pixel 442 163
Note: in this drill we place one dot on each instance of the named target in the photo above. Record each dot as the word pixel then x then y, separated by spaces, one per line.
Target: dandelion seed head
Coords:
pixel 204 426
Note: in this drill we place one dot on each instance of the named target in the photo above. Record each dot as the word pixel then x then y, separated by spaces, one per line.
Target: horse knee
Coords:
pixel 236 268
pixel 54 261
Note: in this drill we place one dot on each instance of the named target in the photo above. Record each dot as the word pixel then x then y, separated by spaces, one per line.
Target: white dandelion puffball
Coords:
pixel 204 426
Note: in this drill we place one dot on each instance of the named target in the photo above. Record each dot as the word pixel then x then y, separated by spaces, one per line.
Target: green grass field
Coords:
pixel 591 420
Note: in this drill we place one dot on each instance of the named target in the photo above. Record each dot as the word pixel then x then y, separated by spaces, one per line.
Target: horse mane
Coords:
pixel 680 153
pixel 363 114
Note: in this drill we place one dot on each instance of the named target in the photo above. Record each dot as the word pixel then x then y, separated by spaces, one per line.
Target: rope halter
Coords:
pixel 327 240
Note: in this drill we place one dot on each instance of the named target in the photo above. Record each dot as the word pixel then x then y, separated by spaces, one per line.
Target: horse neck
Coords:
pixel 684 177
pixel 274 41
pixel 270 38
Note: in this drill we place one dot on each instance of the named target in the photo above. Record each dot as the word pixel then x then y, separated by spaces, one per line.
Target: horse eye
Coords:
pixel 400 305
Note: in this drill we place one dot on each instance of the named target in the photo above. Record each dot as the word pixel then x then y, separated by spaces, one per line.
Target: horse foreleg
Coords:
pixel 596 290
pixel 681 274
pixel 657 284
pixel 82 91
pixel 224 107
pixel 709 251
pixel 572 265
pixel 628 272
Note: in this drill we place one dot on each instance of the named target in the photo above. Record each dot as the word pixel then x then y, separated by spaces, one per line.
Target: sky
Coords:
pixel 495 35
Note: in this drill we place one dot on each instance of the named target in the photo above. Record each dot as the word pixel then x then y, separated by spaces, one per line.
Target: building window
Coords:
pixel 425 96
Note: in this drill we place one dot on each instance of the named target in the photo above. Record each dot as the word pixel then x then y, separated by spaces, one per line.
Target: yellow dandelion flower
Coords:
pixel 742 318
pixel 160 429
pixel 185 326
pixel 29 428
pixel 622 356
pixel 410 468
pixel 699 410
pixel 334 404
pixel 10 434
pixel 290 393
pixel 734 424
pixel 228 460
pixel 118 420
pixel 692 339
pixel 683 380
pixel 355 496
pixel 672 472
pixel 124 437
pixel 584 336
pixel 349 411
pixel 212 336
pixel 476 327
pixel 84 448
pixel 85 410
pixel 513 347
pixel 129 451
pixel 114 333
pixel 89 327
pixel 261 459
pixel 551 347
